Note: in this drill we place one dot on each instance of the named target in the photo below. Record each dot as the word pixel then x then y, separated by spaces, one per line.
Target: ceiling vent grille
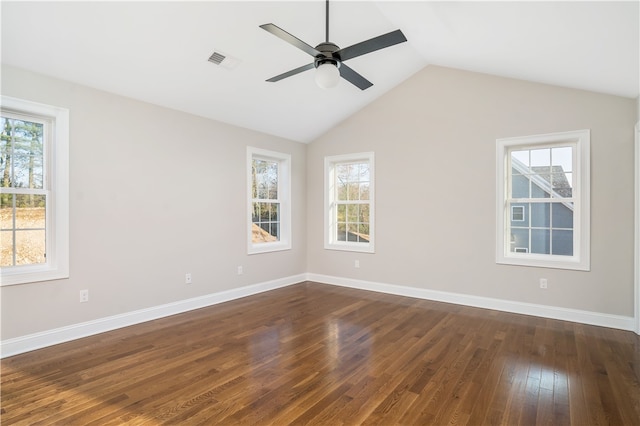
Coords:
pixel 217 58
pixel 224 60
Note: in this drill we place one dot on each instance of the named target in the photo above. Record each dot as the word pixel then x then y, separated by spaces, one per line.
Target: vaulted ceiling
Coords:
pixel 158 51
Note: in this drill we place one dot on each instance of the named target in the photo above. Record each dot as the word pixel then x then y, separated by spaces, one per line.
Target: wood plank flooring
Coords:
pixel 323 355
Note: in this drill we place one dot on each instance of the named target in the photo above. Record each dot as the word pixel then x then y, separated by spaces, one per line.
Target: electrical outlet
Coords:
pixel 356 264
pixel 240 270
pixel 543 283
pixel 84 296
pixel 187 278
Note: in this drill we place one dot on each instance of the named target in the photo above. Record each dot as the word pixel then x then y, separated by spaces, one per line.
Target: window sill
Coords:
pixel 268 247
pixel 545 261
pixel 350 247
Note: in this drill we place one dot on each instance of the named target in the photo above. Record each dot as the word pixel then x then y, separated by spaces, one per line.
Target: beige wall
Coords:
pixel 154 194
pixel 434 140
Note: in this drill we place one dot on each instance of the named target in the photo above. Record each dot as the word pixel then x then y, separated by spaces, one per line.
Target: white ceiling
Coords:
pixel 157 51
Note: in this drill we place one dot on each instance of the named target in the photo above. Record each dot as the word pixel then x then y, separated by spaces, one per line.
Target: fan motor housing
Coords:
pixel 327 49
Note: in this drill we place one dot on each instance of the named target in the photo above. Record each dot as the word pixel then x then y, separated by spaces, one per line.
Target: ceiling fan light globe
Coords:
pixel 327 75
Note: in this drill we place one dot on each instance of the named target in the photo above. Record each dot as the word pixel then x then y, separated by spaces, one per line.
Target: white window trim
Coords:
pixel 284 195
pixel 582 221
pixel 329 193
pixel 57 218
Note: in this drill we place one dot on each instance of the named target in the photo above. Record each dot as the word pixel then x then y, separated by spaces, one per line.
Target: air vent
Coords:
pixel 224 60
pixel 217 58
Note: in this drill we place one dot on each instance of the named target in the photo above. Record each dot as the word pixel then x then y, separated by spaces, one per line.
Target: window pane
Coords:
pixel 519 239
pixel 352 213
pixel 27 155
pixel 561 183
pixel 342 213
pixel 6 153
pixel 353 191
pixel 260 235
pixel 6 248
pixel 255 212
pixel 265 213
pixel 6 211
pixel 364 172
pixel 30 211
pixel 266 222
pixel 342 232
pixel 562 157
pixel 342 191
pixel 30 247
pixel 272 180
pixel 562 215
pixel 562 242
pixel 540 215
pixel 342 172
pixel 352 235
pixel 519 186
pixel 363 231
pixel 538 191
pixel 364 191
pixel 540 241
pixel 264 179
pixel 520 161
pixel 541 158
pixel 262 191
pixel 364 214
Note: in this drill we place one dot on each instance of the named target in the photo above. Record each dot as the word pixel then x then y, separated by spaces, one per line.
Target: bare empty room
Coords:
pixel 312 212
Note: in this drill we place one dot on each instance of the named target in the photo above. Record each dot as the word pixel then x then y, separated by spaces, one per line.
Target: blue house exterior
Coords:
pixel 541 227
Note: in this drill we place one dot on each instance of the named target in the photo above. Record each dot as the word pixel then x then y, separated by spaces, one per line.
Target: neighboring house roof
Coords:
pixel 543 180
pixel 561 185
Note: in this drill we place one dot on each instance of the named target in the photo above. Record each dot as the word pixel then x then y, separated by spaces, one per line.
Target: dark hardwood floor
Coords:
pixel 319 354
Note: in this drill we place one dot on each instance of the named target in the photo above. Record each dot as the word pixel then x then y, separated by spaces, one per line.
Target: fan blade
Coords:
pixel 279 32
pixel 371 45
pixel 354 78
pixel 292 72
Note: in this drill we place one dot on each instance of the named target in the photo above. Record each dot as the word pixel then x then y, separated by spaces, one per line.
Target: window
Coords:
pixel 34 192
pixel 543 181
pixel 349 202
pixel 269 206
pixel 517 213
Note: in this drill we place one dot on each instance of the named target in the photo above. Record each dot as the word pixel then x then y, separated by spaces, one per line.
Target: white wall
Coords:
pixel 434 140
pixel 154 193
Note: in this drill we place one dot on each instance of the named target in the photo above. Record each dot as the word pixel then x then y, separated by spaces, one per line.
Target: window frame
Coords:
pixel 56 183
pixel 580 141
pixel 284 198
pixel 330 231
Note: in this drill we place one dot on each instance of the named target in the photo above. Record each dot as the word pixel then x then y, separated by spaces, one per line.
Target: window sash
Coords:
pixel 55 189
pixel 333 240
pixel 579 259
pixel 281 225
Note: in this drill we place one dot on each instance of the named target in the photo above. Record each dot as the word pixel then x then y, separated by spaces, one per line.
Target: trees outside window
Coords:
pixel 269 203
pixel 34 213
pixel 349 202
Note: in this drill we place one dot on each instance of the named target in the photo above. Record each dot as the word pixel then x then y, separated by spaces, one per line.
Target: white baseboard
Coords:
pixel 43 339
pixel 553 312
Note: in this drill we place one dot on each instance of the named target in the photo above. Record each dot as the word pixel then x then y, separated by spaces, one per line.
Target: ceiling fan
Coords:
pixel 329 58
